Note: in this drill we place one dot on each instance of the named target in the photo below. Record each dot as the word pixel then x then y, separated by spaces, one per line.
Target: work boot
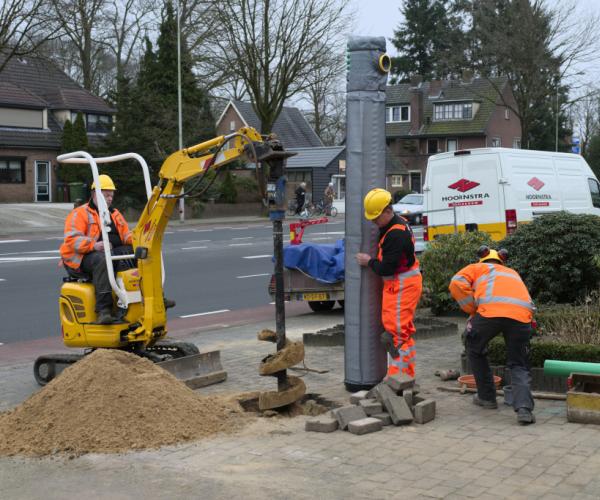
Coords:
pixel 488 405
pixel 105 317
pixel 168 303
pixel 525 417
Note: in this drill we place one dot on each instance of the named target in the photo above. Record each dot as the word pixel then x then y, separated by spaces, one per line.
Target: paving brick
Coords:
pixel 409 397
pixel 357 397
pixel 365 426
pixel 398 409
pixel 347 414
pixel 321 424
pixel 399 382
pixel 384 417
pixel 381 391
pixel 425 411
pixel 371 406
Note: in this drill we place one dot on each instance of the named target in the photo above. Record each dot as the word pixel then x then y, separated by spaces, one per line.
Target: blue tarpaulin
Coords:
pixel 324 263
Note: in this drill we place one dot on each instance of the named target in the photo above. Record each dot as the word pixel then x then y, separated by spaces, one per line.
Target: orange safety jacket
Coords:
pixel 493 291
pixel 82 231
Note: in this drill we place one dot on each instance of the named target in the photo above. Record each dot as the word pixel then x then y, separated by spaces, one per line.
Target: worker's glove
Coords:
pixel 387 341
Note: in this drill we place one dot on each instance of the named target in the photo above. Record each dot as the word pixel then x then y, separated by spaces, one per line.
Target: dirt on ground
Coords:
pixel 112 401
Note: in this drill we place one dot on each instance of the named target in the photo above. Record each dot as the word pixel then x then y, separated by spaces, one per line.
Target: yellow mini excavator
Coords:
pixel 139 291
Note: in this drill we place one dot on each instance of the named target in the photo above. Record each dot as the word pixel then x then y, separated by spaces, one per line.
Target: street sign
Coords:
pixel 575 149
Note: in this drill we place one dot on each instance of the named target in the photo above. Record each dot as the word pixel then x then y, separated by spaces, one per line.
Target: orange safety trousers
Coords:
pixel 401 294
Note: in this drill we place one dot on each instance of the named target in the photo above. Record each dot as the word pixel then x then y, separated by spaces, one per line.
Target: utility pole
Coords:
pixel 557 113
pixel 179 112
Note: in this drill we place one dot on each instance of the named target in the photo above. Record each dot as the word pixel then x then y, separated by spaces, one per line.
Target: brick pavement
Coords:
pixel 466 452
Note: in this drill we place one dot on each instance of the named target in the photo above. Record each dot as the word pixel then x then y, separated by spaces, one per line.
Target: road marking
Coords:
pixel 192 248
pixel 2 279
pixel 320 239
pixel 330 232
pixel 273 303
pixel 55 238
pixel 14 241
pixel 25 259
pixel 253 275
pixel 21 253
pixel 257 257
pixel 240 244
pixel 243 238
pixel 169 232
pixel 205 313
pixel 238 228
pixel 201 230
pixel 199 241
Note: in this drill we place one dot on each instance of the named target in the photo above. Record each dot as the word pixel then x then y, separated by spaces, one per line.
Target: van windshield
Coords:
pixel 412 199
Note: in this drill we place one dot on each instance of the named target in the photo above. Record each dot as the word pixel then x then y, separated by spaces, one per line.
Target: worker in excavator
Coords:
pixel 398 266
pixel 498 302
pixel 82 251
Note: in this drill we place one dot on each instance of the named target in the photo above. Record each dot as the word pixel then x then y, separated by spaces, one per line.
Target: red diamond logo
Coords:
pixel 535 183
pixel 464 185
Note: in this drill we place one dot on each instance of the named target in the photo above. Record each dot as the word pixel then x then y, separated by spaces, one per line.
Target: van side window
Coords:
pixel 595 191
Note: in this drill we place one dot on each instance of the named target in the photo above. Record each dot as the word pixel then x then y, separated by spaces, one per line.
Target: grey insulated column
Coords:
pixel 365 359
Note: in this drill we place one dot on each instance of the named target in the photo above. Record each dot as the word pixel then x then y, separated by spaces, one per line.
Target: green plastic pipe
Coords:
pixel 556 368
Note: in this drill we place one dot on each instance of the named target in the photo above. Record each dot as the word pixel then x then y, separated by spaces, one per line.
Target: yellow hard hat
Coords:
pixel 485 253
pixel 375 202
pixel 105 183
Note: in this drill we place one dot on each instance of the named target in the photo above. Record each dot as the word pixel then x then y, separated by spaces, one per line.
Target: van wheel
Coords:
pixel 321 305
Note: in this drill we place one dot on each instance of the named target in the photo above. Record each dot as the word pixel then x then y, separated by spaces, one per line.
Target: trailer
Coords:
pixel 300 286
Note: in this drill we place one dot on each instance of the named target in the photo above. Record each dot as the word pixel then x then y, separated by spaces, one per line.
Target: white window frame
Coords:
pixel 410 174
pixel 506 114
pixel 389 113
pixel 448 141
pixel 47 184
pixel 497 140
pixel 453 111
pixel 517 143
pixel 396 180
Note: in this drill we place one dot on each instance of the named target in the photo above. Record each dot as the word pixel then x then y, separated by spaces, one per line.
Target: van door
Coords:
pixel 442 171
pixel 479 196
pixel 574 185
pixel 532 188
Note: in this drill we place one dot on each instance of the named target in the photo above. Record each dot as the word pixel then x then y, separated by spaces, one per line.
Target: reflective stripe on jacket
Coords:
pixel 82 231
pixel 493 291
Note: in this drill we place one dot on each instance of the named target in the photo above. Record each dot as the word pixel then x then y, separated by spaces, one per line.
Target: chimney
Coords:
pixel 467 76
pixel 416 106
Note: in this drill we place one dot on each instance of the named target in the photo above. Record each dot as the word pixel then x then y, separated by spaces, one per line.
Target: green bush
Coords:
pixel 228 189
pixel 571 324
pixel 541 351
pixel 247 189
pixel 556 255
pixel 444 257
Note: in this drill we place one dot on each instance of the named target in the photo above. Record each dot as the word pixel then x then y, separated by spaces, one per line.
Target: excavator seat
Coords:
pixel 76 276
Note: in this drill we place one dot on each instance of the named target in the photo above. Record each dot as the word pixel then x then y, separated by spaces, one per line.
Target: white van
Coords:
pixel 494 189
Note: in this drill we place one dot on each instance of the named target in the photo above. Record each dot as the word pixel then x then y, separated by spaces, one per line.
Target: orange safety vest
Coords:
pixel 82 231
pixel 493 291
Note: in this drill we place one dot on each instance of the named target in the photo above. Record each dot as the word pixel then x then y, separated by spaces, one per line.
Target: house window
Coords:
pixel 453 111
pixel 432 146
pixel 396 181
pixel 507 114
pixel 517 143
pixel 496 142
pixel 99 124
pixel 397 114
pixel 232 125
pixel 415 181
pixel 451 144
pixel 12 171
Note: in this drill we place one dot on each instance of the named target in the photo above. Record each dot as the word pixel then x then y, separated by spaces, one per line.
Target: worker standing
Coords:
pixel 498 302
pixel 398 266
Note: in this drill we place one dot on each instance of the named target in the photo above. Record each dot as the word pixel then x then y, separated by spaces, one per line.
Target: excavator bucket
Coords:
pixel 197 370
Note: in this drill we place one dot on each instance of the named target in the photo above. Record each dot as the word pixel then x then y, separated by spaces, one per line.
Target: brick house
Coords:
pixel 425 118
pixel 36 99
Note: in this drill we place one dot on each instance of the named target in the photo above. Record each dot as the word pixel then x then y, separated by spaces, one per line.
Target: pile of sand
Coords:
pixel 113 401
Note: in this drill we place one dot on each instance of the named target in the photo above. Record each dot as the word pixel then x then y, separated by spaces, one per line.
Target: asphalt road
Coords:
pixel 210 272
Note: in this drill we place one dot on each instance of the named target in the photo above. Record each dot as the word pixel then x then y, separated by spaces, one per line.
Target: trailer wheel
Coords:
pixel 321 305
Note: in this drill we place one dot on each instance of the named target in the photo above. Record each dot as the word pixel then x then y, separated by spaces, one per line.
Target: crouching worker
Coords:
pixel 83 249
pixel 498 302
pixel 398 266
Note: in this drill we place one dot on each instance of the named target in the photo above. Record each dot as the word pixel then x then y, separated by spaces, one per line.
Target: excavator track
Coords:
pixel 49 366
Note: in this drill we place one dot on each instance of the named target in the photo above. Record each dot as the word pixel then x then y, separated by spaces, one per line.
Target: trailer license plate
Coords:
pixel 315 296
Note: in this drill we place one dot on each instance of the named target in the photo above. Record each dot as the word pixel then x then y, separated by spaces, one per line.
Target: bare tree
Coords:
pixel 23 28
pixel 586 118
pixel 276 45
pixel 82 22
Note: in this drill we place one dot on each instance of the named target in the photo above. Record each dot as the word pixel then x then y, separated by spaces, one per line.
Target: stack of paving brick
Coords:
pixel 393 401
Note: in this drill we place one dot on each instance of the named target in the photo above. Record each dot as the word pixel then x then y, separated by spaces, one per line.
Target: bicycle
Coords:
pixel 322 208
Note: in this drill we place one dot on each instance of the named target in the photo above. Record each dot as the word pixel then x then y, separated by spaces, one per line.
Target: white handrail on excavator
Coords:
pixel 84 157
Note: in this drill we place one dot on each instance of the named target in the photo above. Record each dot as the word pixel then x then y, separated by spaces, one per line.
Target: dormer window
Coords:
pixel 101 124
pixel 400 113
pixel 447 111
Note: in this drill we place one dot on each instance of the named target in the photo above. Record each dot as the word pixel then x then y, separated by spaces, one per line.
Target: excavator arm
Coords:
pixel 178 168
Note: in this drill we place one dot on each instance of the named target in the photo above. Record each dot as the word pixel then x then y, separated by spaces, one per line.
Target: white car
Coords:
pixel 411 208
